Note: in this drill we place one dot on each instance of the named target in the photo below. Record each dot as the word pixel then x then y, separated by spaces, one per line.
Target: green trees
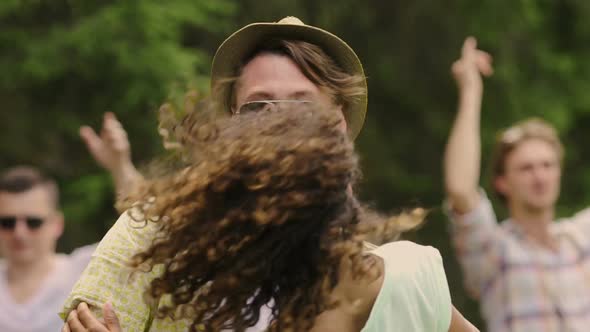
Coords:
pixel 64 63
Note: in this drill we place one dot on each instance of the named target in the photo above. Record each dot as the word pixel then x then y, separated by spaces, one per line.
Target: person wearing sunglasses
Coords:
pixel 34 279
pixel 529 272
pixel 9 223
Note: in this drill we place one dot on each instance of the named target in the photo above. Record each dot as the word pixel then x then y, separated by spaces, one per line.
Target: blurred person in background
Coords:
pixel 34 279
pixel 529 272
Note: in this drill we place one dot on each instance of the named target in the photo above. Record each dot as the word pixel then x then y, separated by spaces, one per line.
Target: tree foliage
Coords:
pixel 64 63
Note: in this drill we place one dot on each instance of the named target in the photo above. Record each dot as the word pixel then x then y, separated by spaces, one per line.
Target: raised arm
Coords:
pixel 462 159
pixel 112 151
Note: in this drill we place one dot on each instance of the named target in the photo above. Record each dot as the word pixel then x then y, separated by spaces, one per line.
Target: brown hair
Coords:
pixel 313 62
pixel 509 139
pixel 24 178
pixel 259 213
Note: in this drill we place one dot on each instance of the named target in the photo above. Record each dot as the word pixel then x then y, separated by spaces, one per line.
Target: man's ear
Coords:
pixel 501 185
pixel 58 224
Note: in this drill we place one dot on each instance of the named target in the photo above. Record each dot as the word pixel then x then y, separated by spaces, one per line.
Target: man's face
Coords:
pixel 23 244
pixel 532 176
pixel 276 77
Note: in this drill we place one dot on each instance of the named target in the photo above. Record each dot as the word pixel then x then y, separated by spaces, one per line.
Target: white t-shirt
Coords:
pixel 40 312
pixel 415 295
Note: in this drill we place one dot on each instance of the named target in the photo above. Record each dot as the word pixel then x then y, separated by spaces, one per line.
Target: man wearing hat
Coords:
pixel 259 67
pixel 265 64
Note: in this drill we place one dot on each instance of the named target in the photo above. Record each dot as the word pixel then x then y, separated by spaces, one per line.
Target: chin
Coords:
pixel 23 257
pixel 542 203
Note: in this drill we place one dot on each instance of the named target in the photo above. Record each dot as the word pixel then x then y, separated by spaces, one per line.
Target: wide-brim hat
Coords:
pixel 242 43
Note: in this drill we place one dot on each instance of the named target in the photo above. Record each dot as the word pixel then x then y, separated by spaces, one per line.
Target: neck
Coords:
pixel 535 223
pixel 36 269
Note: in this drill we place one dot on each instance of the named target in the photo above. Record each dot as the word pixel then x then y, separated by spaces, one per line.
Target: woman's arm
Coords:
pixel 460 324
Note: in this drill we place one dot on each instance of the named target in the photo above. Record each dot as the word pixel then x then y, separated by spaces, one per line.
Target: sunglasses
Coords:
pixel 272 105
pixel 8 223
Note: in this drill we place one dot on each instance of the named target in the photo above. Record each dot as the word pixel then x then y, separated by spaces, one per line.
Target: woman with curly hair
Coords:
pixel 260 213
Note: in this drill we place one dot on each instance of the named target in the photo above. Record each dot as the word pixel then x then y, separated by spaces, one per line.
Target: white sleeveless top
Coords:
pixel 415 295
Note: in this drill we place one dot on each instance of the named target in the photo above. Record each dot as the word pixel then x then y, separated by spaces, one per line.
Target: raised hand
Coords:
pixel 471 66
pixel 112 151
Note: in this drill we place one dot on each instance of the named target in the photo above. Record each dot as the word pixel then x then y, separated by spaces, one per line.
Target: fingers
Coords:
pixel 457 67
pixel 73 323
pixel 85 316
pixel 469 47
pixel 109 116
pixel 473 58
pixel 113 134
pixel 110 124
pixel 88 320
pixel 93 142
pixel 483 55
pixel 110 318
pixel 484 63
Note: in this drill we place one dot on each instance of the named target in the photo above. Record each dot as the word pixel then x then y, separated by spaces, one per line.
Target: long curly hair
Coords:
pixel 258 212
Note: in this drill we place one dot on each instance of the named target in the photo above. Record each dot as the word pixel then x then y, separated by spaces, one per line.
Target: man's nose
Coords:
pixel 20 228
pixel 540 172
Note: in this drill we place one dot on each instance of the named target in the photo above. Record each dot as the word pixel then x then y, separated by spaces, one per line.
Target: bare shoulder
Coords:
pixel 356 297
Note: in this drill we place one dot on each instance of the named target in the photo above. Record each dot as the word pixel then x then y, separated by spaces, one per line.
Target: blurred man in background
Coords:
pixel 529 272
pixel 34 279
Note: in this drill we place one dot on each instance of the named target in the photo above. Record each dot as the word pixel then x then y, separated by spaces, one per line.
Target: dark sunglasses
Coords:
pixel 9 223
pixel 272 105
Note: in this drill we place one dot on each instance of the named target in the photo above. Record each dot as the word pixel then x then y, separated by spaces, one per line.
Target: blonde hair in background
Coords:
pixel 510 138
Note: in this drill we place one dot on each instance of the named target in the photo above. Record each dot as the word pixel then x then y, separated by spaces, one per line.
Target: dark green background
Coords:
pixel 64 63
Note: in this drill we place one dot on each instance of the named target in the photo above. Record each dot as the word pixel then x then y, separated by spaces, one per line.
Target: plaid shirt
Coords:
pixel 522 286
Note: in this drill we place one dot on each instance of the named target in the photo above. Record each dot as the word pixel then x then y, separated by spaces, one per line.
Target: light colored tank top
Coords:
pixel 415 295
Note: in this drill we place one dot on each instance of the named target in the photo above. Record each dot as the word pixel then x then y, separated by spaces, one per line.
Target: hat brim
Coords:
pixel 243 42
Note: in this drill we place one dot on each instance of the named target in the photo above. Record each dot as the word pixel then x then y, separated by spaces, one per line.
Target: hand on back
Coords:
pixel 82 319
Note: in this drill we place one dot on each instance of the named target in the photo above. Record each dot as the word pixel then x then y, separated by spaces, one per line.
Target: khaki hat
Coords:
pixel 241 43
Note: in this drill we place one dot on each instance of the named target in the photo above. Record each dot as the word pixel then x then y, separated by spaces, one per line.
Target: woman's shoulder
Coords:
pixel 414 295
pixel 407 251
